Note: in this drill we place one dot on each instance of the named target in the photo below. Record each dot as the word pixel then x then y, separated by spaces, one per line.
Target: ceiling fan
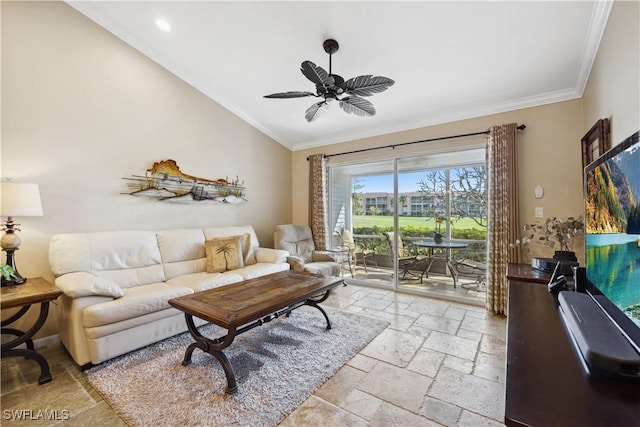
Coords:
pixel 333 87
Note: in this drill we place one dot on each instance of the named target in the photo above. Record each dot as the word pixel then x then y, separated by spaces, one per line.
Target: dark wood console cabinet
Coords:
pixel 546 385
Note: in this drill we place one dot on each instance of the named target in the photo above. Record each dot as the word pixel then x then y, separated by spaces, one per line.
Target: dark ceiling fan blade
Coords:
pixel 367 85
pixel 338 85
pixel 316 110
pixel 316 74
pixel 291 94
pixel 358 106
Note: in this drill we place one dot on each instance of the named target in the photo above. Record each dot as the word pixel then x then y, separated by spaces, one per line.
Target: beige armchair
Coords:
pixel 298 241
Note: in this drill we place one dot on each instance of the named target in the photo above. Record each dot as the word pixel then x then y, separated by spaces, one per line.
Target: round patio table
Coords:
pixel 447 246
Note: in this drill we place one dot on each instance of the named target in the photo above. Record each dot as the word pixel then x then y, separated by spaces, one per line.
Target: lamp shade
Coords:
pixel 20 199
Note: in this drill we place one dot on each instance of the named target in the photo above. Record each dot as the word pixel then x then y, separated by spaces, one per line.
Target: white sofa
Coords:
pixel 116 284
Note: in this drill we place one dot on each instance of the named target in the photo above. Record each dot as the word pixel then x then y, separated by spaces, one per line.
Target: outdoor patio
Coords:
pixel 438 284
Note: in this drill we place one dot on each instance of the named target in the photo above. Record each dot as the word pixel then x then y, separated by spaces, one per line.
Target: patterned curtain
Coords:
pixel 318 200
pixel 503 207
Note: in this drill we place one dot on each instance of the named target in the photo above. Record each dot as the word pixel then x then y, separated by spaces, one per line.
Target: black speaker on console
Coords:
pixel 580 279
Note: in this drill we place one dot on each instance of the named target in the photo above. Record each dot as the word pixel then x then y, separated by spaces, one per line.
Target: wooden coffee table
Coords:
pixel 242 306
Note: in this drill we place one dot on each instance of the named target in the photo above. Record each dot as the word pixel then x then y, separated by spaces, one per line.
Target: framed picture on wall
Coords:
pixel 595 142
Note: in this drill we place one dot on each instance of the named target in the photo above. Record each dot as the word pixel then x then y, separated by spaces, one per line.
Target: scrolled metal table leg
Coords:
pixel 45 373
pixel 214 348
pixel 9 350
pixel 313 303
pixel 232 386
pixel 18 333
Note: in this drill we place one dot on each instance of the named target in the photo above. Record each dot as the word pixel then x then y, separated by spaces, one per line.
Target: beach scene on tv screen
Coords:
pixel 612 226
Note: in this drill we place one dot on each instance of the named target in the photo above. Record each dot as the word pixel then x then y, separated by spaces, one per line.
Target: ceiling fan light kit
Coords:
pixel 332 87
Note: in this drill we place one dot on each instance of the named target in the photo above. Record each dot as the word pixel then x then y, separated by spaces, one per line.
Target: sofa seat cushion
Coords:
pixel 97 332
pixel 137 301
pixel 203 281
pixel 260 269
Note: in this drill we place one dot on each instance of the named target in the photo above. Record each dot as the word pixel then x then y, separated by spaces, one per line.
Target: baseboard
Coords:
pixel 46 341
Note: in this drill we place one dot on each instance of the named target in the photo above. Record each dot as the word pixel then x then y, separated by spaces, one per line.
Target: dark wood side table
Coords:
pixel 546 384
pixel 33 291
pixel 526 273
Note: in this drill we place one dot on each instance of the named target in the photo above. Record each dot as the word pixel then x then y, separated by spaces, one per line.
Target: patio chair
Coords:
pixel 363 254
pixel 470 268
pixel 405 262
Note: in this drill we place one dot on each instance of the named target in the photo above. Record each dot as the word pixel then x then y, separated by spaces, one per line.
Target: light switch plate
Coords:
pixel 539 212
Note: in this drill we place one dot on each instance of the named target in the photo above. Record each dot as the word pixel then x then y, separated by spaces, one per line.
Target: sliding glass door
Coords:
pixel 442 223
pixel 417 223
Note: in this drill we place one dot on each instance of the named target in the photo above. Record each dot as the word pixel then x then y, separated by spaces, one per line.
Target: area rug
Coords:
pixel 277 365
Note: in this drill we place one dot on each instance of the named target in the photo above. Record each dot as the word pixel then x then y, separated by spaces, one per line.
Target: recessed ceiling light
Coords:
pixel 163 25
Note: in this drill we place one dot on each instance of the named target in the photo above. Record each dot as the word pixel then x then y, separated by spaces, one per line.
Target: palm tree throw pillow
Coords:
pixel 224 253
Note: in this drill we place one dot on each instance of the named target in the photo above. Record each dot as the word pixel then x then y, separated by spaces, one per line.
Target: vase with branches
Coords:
pixel 440 220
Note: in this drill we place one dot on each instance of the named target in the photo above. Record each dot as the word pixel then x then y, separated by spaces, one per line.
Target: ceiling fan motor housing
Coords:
pixel 330 46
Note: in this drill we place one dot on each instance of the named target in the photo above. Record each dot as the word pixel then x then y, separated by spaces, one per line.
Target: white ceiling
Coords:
pixel 450 60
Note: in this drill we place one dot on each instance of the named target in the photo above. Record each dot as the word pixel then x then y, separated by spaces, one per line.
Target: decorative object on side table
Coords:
pixel 18 199
pixel 7 272
pixel 554 231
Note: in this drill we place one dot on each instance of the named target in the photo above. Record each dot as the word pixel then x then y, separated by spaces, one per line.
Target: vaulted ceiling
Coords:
pixel 450 60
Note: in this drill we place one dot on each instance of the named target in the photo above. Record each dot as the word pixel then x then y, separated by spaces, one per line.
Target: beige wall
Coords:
pixel 81 110
pixel 613 89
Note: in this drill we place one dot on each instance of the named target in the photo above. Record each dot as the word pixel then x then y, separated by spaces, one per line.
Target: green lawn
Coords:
pixel 404 221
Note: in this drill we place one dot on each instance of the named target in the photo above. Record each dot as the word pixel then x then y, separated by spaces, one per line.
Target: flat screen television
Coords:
pixel 612 234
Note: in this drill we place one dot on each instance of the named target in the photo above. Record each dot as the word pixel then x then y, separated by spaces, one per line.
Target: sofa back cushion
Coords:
pixel 128 258
pixel 182 251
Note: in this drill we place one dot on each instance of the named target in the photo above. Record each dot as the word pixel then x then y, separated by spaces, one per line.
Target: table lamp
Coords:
pixel 18 199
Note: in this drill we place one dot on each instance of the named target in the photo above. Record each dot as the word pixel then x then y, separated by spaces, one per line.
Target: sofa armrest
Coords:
pixel 273 256
pixel 319 256
pixel 83 284
pixel 296 263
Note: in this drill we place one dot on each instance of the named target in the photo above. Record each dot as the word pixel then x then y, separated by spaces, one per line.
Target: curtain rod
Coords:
pixel 393 146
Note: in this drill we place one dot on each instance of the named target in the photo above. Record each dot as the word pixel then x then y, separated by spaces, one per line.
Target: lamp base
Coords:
pixel 16 279
pixel 13 282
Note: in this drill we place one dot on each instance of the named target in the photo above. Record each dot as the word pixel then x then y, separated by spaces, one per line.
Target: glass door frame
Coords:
pixel 394 170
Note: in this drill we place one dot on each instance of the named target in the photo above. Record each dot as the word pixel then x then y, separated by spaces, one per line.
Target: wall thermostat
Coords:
pixel 539 191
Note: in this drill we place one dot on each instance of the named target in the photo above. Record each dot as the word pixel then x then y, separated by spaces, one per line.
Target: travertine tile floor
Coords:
pixel 437 363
